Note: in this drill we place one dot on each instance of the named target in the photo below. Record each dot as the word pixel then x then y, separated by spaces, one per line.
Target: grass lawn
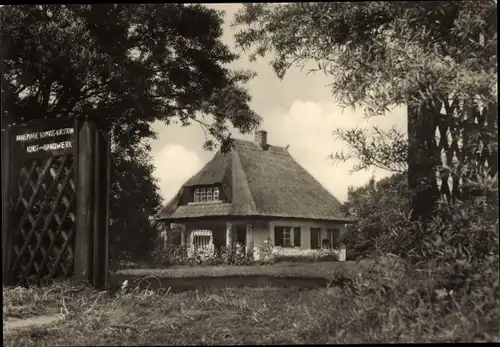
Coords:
pixel 245 315
pixel 227 316
pixel 325 269
pixel 205 316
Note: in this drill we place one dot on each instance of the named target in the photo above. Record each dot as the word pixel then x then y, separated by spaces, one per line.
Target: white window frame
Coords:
pixel 287 230
pixel 330 236
pixel 206 194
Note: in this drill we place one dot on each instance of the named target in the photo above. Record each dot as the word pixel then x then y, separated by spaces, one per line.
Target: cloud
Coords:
pixel 174 165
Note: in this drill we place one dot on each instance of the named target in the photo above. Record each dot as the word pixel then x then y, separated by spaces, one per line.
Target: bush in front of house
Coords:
pixel 174 255
pixel 307 255
pixel 234 255
pixel 179 255
pixel 265 253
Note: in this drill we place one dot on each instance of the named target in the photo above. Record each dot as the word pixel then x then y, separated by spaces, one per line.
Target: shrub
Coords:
pixel 175 255
pixel 398 302
pixel 226 254
pixel 461 231
pixel 266 253
pixel 376 206
pixel 307 255
pixel 234 255
pixel 437 281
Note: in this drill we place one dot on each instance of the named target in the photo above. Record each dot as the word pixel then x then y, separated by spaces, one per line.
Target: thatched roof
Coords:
pixel 257 182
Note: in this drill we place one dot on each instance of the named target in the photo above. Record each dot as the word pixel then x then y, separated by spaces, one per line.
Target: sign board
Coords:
pixel 43 140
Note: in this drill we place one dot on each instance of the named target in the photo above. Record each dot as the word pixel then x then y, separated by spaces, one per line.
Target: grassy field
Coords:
pixel 229 316
pixel 369 314
pixel 325 269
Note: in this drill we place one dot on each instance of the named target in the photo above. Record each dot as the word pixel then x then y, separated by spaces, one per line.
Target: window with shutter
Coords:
pixel 296 237
pixel 336 238
pixel 278 236
pixel 287 237
pixel 332 239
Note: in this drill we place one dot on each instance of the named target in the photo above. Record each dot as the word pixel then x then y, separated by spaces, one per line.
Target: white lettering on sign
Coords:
pixel 49 146
pixel 27 137
pixel 45 134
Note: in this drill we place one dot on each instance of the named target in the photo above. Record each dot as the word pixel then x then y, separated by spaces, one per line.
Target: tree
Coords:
pixel 124 65
pixel 134 200
pixel 437 58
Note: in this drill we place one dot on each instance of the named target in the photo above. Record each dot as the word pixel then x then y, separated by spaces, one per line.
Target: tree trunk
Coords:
pixel 423 159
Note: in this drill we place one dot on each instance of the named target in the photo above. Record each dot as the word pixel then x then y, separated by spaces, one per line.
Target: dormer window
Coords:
pixel 208 194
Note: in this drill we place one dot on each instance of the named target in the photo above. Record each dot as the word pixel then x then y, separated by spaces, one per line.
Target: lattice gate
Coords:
pixel 466 145
pixel 451 145
pixel 43 207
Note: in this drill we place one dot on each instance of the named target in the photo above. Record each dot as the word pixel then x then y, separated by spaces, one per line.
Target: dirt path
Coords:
pixel 16 323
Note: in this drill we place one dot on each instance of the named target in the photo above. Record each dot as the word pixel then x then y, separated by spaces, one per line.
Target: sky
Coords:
pixel 298 111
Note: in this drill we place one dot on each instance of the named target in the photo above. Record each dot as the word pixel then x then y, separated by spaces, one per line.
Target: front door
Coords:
pixel 315 236
pixel 241 235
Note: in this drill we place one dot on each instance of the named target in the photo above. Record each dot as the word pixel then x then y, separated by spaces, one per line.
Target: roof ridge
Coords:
pixel 252 199
pixel 248 144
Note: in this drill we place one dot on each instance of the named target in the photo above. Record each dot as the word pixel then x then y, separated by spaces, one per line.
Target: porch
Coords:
pixel 222 234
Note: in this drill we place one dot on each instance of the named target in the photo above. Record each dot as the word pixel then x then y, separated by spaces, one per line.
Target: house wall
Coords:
pixel 265 229
pixel 260 232
pixel 305 230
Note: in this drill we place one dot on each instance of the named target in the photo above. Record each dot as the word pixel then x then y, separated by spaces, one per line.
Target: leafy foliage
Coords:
pixel 380 54
pixel 308 255
pixel 463 232
pixel 377 207
pixel 179 255
pixel 134 200
pixel 387 150
pixel 126 64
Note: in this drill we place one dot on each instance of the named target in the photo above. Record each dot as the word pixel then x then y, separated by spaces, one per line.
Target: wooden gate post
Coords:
pixel 101 208
pixel 6 184
pixel 92 204
pixel 85 138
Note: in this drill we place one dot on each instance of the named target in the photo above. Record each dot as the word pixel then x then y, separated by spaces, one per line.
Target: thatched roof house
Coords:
pixel 263 192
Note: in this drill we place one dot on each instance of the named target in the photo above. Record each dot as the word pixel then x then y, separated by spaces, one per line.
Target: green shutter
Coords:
pixel 315 238
pixel 336 238
pixel 296 237
pixel 278 236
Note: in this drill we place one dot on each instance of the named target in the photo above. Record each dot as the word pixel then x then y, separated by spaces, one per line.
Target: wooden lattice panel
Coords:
pixel 465 145
pixel 43 203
